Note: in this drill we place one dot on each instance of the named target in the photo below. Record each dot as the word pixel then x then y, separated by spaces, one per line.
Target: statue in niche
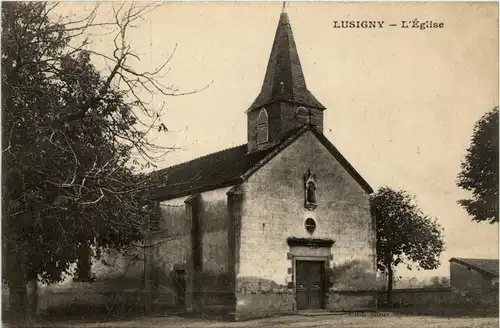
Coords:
pixel 310 190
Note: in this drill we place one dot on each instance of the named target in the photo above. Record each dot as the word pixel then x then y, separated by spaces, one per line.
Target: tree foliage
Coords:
pixel 439 282
pixel 404 234
pixel 71 137
pixel 479 173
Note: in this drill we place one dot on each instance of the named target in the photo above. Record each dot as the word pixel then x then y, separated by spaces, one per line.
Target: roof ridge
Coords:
pixel 479 264
pixel 198 158
pixel 234 165
pixel 293 132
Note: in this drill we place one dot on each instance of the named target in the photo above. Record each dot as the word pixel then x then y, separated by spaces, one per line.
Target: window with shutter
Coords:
pixel 263 127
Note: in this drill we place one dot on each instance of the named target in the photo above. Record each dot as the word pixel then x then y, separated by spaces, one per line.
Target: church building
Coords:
pixel 279 225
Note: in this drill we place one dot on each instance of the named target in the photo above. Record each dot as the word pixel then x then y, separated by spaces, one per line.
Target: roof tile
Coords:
pixel 208 172
pixel 284 79
pixel 230 166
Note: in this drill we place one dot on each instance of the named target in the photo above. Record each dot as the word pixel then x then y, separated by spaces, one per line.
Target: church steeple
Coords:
pixel 284 102
pixel 284 79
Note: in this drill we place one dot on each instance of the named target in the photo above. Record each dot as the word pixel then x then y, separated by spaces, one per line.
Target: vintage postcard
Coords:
pixel 250 164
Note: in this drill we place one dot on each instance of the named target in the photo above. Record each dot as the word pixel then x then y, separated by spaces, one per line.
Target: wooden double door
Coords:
pixel 310 284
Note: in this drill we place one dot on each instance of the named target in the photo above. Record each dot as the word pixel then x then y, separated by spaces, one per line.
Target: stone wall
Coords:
pixel 118 283
pixel 148 277
pixel 275 129
pixel 258 297
pixel 289 119
pixel 206 285
pixel 274 210
pixel 441 299
pixel 171 250
pixel 282 118
pixel 216 287
pixel 214 225
pixel 352 301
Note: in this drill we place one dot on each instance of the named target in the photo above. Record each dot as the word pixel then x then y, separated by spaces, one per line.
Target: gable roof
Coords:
pixel 486 266
pixel 212 171
pixel 284 79
pixel 232 166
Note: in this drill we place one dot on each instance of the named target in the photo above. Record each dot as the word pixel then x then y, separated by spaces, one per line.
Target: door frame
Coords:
pixel 325 260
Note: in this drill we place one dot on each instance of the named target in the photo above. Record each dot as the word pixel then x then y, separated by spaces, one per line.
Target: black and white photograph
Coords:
pixel 250 164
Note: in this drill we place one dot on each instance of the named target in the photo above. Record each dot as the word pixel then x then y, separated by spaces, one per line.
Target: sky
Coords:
pixel 401 103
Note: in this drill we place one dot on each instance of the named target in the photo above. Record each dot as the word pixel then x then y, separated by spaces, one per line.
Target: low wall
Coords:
pixel 418 296
pixel 257 297
pixel 352 301
pixel 93 303
pixel 440 297
pixel 251 306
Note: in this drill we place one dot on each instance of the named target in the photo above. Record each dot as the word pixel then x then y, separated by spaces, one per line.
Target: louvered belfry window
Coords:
pixel 263 127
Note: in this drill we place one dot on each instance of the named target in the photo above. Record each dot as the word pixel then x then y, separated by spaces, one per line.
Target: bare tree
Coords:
pixel 73 139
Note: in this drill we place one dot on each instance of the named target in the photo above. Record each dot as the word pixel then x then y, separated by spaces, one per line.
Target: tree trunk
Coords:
pixel 17 301
pixel 33 297
pixel 84 264
pixel 390 275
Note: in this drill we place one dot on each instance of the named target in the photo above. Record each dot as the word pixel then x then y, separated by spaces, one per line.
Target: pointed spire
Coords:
pixel 284 79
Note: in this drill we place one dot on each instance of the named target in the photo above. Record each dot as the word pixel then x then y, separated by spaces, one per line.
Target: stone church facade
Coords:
pixel 278 225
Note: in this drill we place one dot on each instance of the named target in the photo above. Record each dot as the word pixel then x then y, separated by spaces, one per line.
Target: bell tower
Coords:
pixel 284 102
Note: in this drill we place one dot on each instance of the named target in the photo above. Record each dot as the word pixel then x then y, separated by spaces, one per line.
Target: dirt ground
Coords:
pixel 386 320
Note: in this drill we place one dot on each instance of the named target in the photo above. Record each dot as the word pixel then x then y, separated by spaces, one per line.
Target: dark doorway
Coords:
pixel 310 276
pixel 181 287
